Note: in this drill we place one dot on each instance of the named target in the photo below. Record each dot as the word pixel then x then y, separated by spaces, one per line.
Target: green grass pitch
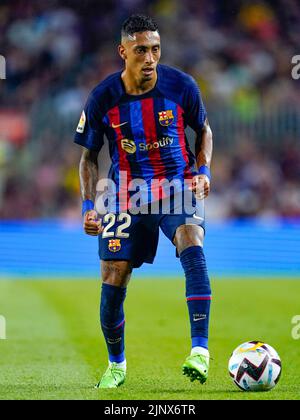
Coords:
pixel 54 349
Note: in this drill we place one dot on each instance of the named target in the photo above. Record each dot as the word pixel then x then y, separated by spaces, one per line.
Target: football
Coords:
pixel 255 366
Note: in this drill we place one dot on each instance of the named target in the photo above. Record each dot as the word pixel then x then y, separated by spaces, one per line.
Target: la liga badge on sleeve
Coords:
pixel 81 125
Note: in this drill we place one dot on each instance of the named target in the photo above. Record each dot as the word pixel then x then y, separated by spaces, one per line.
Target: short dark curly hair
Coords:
pixel 138 23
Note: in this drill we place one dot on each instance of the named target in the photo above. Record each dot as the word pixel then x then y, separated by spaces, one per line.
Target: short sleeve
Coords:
pixel 90 129
pixel 194 109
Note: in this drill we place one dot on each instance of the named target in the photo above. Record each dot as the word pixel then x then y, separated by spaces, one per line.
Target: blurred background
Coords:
pixel 239 52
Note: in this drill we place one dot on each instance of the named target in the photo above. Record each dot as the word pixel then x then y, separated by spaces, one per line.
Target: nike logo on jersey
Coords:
pixel 118 125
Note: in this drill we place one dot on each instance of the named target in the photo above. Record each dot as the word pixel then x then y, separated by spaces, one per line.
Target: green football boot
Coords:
pixel 112 378
pixel 196 367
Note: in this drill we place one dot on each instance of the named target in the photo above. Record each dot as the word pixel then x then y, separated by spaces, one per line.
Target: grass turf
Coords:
pixel 54 349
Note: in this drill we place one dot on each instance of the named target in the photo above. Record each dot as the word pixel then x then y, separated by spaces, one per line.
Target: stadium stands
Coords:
pixel 239 53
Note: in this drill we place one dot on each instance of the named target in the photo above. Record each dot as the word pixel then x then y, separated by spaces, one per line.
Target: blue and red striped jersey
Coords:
pixel 146 133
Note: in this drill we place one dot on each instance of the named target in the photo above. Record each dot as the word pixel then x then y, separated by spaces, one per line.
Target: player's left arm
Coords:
pixel 196 118
pixel 204 150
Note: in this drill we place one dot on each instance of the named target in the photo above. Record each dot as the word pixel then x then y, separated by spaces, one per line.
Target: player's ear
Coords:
pixel 122 52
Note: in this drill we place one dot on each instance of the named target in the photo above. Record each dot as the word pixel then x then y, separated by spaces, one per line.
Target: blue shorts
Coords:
pixel 134 237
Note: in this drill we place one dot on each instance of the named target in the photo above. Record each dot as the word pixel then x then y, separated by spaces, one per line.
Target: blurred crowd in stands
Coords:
pixel 239 52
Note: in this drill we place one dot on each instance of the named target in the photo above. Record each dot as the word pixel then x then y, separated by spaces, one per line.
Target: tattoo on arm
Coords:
pixel 204 145
pixel 88 173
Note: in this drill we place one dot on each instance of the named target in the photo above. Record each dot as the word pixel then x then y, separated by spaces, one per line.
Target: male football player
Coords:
pixel 143 111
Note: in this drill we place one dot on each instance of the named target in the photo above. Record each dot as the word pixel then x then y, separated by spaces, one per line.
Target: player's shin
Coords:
pixel 113 321
pixel 198 295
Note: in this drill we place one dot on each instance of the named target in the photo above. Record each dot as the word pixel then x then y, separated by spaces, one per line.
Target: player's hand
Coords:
pixel 200 186
pixel 92 226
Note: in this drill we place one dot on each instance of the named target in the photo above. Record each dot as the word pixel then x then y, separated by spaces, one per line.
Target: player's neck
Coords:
pixel 134 86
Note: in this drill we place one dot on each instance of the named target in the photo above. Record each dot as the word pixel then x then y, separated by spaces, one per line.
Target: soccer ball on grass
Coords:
pixel 255 366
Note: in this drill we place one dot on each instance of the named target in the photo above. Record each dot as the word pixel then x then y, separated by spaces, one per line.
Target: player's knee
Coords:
pixel 187 236
pixel 116 273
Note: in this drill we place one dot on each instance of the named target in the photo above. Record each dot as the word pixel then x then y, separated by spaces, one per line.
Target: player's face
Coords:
pixel 141 53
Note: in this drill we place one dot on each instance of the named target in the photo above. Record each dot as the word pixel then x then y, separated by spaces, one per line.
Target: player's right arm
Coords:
pixel 89 134
pixel 88 174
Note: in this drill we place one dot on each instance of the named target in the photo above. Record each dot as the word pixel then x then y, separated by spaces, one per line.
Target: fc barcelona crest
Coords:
pixel 114 245
pixel 166 117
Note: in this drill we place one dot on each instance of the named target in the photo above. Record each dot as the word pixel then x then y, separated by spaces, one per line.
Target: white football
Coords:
pixel 255 366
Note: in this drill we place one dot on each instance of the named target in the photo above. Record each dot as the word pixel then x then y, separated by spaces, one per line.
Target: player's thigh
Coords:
pixel 187 228
pixel 116 273
pixel 116 243
pixel 187 236
pixel 127 241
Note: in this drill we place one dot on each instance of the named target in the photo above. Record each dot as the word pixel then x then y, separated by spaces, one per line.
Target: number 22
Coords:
pixel 111 218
